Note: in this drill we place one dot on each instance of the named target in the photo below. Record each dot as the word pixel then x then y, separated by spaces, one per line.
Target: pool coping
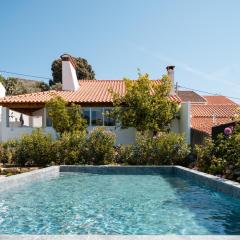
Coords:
pixel 7 183
pixel 226 186
pixel 119 237
pixel 219 184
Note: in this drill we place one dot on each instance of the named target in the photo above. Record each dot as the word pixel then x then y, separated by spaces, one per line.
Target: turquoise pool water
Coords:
pixel 83 203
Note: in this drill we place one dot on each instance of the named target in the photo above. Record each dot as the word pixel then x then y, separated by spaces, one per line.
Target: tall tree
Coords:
pixel 84 70
pixel 145 105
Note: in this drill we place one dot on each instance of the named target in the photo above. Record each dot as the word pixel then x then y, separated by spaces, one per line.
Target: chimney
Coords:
pixel 69 76
pixel 170 73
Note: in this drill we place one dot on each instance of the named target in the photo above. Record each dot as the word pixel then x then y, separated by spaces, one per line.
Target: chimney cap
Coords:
pixel 170 67
pixel 67 57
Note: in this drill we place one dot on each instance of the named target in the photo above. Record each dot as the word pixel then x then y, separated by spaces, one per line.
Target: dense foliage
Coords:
pixel 97 148
pixel 65 118
pixel 7 152
pixel 164 149
pixel 78 148
pixel 84 70
pixel 33 149
pixel 221 156
pixel 146 105
pixel 69 149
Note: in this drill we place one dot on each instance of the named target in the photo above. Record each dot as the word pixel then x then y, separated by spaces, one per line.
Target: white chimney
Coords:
pixel 69 76
pixel 170 73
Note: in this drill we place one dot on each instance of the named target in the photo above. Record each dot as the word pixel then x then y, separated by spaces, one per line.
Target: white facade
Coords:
pixel 13 129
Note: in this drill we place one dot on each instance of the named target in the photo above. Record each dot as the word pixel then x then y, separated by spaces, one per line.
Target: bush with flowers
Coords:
pixel 222 155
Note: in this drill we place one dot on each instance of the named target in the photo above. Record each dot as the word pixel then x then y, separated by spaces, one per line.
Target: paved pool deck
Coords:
pixel 226 186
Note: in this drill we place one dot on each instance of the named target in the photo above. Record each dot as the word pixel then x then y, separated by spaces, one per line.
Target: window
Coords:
pixel 107 120
pixel 86 115
pixel 97 117
pixel 48 120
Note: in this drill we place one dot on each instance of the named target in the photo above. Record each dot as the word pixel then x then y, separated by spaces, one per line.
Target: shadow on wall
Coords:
pixel 197 137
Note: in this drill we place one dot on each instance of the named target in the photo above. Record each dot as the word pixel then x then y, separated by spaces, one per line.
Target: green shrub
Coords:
pixel 123 154
pixel 169 148
pixel 34 149
pixel 220 156
pixel 208 158
pixel 99 148
pixel 69 149
pixel 164 149
pixel 7 152
pixel 96 149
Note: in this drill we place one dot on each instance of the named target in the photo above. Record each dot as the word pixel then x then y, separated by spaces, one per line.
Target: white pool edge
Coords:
pixel 119 237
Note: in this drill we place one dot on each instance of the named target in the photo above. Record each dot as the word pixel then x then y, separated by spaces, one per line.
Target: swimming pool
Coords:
pixel 113 203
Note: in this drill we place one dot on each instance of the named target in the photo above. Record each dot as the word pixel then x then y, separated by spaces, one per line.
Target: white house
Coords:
pixel 22 113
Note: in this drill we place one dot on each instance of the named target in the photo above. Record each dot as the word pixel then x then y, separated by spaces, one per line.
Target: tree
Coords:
pixel 43 86
pixel 237 115
pixel 2 79
pixel 145 105
pixel 65 118
pixel 14 87
pixel 84 70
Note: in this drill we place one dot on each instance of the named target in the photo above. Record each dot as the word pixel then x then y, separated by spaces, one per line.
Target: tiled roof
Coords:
pixel 90 91
pixel 204 117
pixel 191 96
pixel 218 100
pixel 205 124
pixel 210 110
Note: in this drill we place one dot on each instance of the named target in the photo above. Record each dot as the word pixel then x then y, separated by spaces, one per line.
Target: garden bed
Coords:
pixel 7 171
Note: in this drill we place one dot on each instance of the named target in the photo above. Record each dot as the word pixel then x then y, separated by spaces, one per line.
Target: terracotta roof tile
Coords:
pixel 210 110
pixel 90 91
pixel 204 117
pixel 206 124
pixel 191 96
pixel 218 100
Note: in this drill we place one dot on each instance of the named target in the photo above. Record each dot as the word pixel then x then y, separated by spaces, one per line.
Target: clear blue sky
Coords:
pixel 200 37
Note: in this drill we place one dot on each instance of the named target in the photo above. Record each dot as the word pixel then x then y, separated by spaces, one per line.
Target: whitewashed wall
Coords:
pixel 123 136
pixel 185 121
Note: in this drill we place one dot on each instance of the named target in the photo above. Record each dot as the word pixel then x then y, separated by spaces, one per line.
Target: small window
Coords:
pixel 86 115
pixel 108 121
pixel 48 119
pixel 48 122
pixel 97 117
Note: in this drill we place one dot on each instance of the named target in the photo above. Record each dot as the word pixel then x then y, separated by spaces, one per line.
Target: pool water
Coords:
pixel 83 203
